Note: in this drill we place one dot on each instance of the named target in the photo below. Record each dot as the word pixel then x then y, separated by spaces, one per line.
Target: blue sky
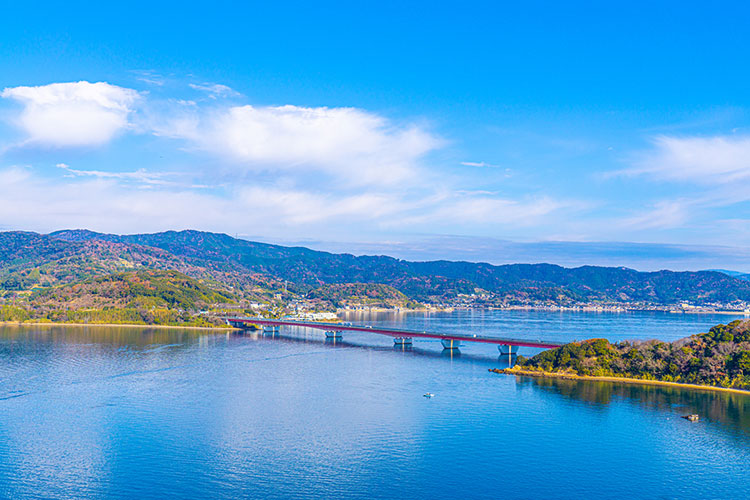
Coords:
pixel 577 132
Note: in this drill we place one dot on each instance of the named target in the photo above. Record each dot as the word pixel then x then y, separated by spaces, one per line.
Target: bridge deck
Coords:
pixel 394 332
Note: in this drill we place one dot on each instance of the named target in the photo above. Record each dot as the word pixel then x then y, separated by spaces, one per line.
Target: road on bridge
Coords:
pixel 392 332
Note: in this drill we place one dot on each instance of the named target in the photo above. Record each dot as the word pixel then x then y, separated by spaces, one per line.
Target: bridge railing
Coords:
pixel 394 332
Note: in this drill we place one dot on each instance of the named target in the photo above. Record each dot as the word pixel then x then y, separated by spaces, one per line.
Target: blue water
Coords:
pixel 103 412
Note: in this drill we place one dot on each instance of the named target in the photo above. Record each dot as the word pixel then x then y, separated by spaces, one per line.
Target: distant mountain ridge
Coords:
pixel 260 270
pixel 305 269
pixel 733 274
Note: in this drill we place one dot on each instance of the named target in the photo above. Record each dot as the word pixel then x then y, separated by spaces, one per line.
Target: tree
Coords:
pixel 740 362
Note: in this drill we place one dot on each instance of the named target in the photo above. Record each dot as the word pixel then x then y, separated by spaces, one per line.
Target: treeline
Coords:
pixel 147 297
pixel 13 313
pixel 115 316
pixel 720 357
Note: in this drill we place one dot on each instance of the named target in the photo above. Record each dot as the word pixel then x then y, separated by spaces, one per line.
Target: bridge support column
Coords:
pixel 450 343
pixel 239 324
pixel 333 334
pixel 270 328
pixel 402 340
pixel 507 349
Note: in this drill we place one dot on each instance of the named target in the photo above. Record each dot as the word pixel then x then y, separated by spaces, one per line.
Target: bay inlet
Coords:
pixel 110 412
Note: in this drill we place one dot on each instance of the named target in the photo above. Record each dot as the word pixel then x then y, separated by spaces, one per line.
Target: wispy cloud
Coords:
pixel 480 164
pixel 106 200
pixel 704 160
pixel 663 214
pixel 140 176
pixel 150 77
pixel 214 90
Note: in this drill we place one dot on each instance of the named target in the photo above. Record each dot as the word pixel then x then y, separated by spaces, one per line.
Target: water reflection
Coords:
pixel 137 337
pixel 730 410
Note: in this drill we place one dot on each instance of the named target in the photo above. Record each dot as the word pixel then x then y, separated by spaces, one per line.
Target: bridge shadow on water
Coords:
pixel 422 349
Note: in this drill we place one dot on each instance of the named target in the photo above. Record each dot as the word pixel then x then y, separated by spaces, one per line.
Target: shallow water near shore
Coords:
pixel 107 412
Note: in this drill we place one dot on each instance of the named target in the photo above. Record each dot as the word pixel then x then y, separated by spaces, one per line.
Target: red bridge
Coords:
pixel 449 341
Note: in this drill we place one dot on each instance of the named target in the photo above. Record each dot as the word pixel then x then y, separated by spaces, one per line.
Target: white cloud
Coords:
pixel 214 90
pixel 107 201
pixel 495 210
pixel 140 176
pixel 708 160
pixel 72 114
pixel 150 77
pixel 102 201
pixel 480 164
pixel 298 207
pixel 663 214
pixel 459 210
pixel 347 143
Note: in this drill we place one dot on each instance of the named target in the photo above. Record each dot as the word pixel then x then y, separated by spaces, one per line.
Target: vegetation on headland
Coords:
pixel 149 297
pixel 718 358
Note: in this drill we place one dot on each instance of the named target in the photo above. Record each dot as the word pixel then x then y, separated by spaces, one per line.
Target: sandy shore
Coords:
pixel 126 325
pixel 569 376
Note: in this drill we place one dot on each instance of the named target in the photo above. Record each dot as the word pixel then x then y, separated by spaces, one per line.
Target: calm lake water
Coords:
pixel 143 413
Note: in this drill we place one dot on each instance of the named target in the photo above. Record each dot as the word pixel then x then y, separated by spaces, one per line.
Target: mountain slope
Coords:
pixel 30 260
pixel 307 269
pixel 134 289
pixel 263 269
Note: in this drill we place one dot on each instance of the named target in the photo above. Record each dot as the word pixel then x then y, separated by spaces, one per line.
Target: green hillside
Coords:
pixel 146 296
pixel 720 357
pixel 307 269
pixel 260 272
pixel 29 261
pixel 144 288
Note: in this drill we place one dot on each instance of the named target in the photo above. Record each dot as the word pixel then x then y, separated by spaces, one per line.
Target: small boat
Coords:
pixel 428 394
pixel 693 417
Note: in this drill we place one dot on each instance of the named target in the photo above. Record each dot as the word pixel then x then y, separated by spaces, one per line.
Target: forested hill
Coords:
pixel 720 358
pixel 226 259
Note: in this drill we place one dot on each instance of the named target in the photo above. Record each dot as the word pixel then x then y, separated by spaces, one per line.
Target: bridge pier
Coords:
pixel 401 340
pixel 333 334
pixel 271 328
pixel 450 343
pixel 507 349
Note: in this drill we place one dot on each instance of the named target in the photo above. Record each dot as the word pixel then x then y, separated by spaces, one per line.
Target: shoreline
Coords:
pixel 110 325
pixel 396 310
pixel 624 380
pixel 610 309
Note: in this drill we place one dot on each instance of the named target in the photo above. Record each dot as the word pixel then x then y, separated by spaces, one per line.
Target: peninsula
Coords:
pixel 719 358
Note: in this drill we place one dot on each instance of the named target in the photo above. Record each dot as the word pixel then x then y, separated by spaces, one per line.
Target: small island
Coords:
pixel 719 358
